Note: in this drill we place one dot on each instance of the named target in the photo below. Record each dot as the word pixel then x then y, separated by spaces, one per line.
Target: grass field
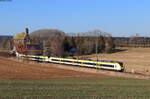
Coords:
pixel 137 59
pixel 85 88
pixel 27 80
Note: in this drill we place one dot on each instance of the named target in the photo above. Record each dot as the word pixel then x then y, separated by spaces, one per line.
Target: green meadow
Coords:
pixel 91 88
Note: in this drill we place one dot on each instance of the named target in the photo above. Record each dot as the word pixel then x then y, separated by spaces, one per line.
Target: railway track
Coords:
pixel 125 74
pixel 87 70
pixel 138 74
pixel 108 72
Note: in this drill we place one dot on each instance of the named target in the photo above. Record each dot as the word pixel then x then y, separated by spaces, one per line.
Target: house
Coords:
pixel 23 44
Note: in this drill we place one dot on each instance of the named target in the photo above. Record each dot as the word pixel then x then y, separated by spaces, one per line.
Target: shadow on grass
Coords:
pixel 118 50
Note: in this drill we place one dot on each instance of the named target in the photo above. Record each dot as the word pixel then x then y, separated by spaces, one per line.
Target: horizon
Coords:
pixel 119 18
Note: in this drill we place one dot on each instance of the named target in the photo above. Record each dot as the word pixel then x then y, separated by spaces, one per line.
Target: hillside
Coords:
pixel 134 59
pixel 18 70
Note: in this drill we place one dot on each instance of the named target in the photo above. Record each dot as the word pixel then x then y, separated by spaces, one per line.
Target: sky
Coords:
pixel 117 17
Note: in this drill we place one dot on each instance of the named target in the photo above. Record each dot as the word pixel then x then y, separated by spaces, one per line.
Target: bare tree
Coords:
pixel 56 45
pixel 109 44
pixel 51 40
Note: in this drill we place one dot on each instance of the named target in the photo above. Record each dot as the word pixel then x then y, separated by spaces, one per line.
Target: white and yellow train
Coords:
pixel 103 64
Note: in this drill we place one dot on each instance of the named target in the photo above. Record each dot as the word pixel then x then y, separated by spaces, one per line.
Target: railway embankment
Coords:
pixel 124 74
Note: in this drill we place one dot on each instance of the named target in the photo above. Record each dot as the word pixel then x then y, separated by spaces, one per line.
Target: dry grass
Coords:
pixel 134 59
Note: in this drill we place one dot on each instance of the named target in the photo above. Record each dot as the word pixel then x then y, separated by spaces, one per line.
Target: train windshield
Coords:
pixel 120 63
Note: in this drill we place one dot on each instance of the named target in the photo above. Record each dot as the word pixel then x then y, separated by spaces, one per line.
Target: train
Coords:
pixel 24 47
pixel 102 64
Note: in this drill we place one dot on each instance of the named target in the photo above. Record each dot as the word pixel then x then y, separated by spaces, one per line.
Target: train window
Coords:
pixel 66 61
pixel 89 63
pixel 38 58
pixel 77 62
pixel 106 65
pixel 120 63
pixel 55 60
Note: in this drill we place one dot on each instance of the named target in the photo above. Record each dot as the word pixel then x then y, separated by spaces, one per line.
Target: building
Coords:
pixel 23 44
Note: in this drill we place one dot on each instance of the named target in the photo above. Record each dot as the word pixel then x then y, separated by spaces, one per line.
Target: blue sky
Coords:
pixel 117 17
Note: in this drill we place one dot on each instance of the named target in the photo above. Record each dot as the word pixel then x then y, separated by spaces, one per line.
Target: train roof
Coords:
pixel 99 60
pixel 86 59
pixel 110 61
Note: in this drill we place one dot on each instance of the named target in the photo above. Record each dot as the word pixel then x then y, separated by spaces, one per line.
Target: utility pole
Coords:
pixel 44 48
pixel 96 48
pixel 97 44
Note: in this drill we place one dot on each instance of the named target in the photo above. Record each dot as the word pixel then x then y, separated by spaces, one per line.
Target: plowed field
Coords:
pixel 11 69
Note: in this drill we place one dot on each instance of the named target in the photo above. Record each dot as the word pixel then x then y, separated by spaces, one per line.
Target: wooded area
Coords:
pixel 132 41
pixel 57 43
pixel 6 42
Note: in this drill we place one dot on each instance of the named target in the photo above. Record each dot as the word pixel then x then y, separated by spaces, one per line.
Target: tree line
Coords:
pixel 132 41
pixel 60 44
pixel 6 42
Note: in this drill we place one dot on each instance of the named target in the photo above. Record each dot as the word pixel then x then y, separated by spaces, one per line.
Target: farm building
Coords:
pixel 24 44
pixel 22 38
